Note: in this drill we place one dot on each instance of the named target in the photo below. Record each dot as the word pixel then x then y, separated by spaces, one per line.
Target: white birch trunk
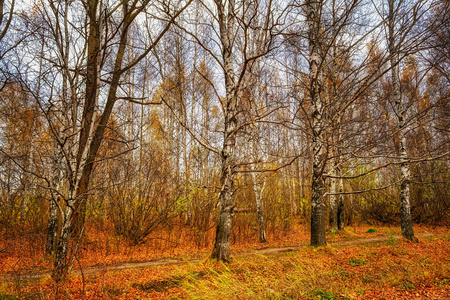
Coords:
pixel 336 211
pixel 318 205
pixel 221 250
pixel 62 266
pixel 258 187
pixel 405 207
pixel 333 215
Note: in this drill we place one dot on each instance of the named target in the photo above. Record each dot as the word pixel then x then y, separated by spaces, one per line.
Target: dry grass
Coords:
pixel 394 269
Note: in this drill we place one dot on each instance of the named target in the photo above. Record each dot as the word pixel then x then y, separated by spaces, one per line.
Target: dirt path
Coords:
pixel 361 241
pixel 163 262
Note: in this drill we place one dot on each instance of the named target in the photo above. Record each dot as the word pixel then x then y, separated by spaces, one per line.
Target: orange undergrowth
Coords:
pixel 373 266
pixel 102 248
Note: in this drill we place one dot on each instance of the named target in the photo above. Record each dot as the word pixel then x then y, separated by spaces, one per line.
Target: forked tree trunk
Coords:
pixel 73 219
pixel 91 134
pixel 405 207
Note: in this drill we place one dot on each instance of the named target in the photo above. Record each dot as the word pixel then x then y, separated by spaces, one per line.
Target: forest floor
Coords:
pixel 357 264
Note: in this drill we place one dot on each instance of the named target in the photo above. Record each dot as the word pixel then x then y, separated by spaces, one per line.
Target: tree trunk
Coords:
pixel 336 217
pixel 221 250
pixel 222 243
pixel 61 265
pixel 405 209
pixel 333 211
pixel 318 205
pixel 340 204
pixel 92 128
pixel 89 142
pixel 258 187
pixel 401 109
pixel 52 229
pixel 226 19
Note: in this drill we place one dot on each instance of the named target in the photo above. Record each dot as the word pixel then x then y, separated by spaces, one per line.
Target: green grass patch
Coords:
pixel 4 296
pixel 319 294
pixel 407 286
pixel 356 262
pixel 391 240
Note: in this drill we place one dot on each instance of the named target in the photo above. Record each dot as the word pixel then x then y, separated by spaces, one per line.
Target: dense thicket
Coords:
pixel 244 116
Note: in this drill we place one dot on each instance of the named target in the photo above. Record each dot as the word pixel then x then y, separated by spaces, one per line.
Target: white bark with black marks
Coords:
pixel 318 204
pixel 401 110
pixel 226 19
pixel 258 186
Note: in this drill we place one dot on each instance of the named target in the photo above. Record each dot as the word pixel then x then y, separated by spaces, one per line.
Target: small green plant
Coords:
pixel 341 273
pixel 4 296
pixel 391 240
pixel 407 286
pixel 356 262
pixel 367 280
pixel 442 283
pixel 371 230
pixel 319 294
pixel 333 231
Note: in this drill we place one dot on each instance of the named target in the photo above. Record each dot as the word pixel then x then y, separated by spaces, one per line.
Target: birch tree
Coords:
pixel 333 85
pixel 318 204
pixel 233 22
pixel 78 124
pixel 403 40
pixel 400 107
pixel 92 131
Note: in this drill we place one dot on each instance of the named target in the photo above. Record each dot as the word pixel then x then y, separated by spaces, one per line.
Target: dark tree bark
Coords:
pixel 52 228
